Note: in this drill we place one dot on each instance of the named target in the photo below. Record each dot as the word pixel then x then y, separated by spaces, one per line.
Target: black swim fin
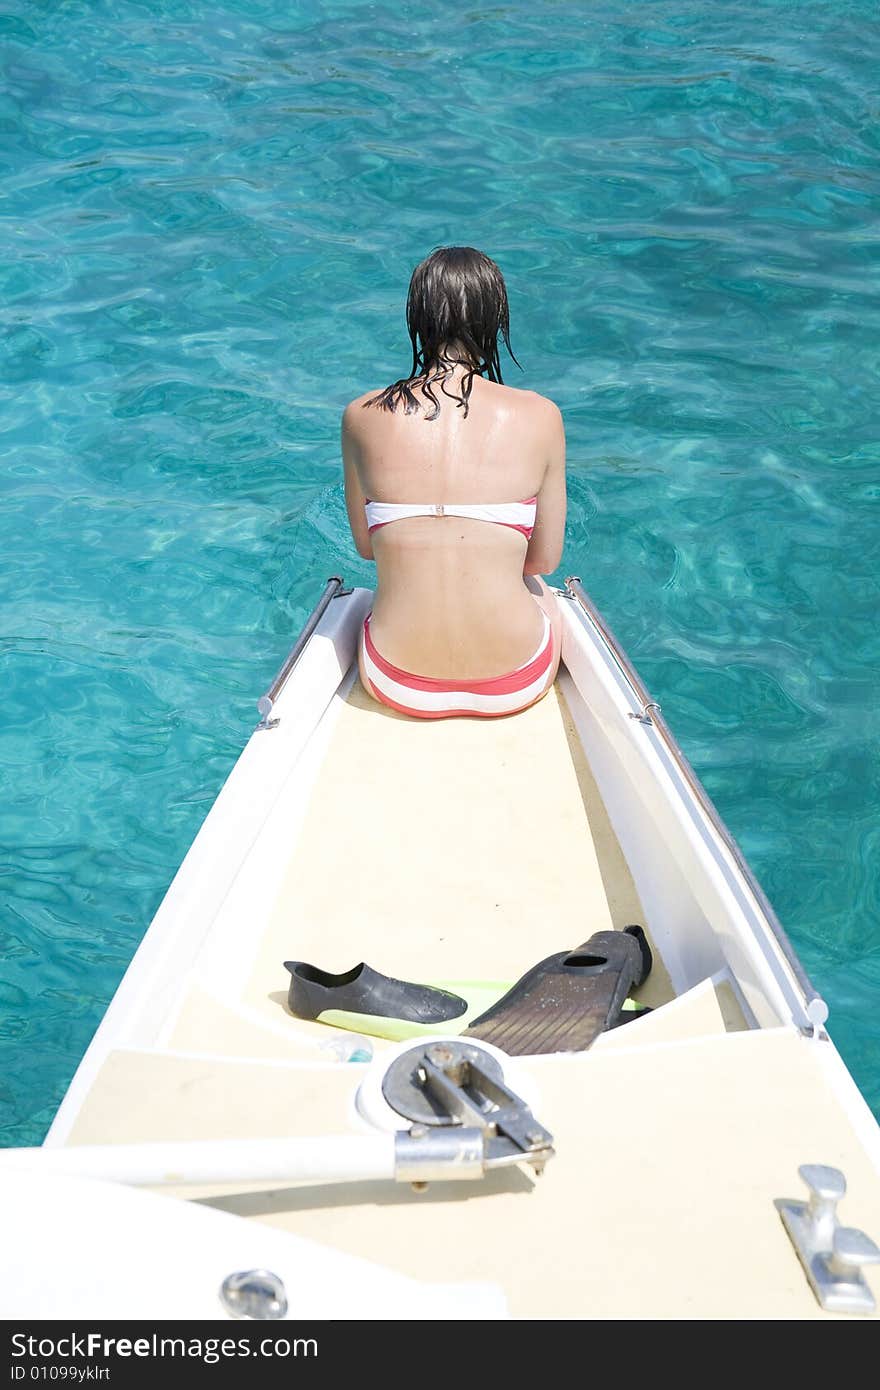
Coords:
pixel 362 990
pixel 565 1001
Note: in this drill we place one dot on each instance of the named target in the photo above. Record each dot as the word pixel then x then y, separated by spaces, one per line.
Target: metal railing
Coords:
pixel 266 703
pixel 815 1006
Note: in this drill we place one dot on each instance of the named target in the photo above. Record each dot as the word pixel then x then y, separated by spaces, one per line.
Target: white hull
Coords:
pixel 468 850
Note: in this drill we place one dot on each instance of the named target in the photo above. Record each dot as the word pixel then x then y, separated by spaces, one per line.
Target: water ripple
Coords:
pixel 211 213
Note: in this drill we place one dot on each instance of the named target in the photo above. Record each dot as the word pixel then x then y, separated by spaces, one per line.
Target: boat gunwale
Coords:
pixel 650 713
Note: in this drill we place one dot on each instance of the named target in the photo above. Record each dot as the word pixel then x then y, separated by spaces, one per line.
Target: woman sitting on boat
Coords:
pixel 455 486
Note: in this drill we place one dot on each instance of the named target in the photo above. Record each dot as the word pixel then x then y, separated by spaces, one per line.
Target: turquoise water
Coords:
pixel 211 212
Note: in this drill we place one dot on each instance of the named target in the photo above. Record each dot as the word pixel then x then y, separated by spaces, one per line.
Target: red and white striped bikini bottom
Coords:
pixel 426 697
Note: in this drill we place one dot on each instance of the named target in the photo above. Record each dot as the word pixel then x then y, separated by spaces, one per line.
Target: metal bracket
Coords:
pixel 466 1120
pixel 832 1255
pixel 643 716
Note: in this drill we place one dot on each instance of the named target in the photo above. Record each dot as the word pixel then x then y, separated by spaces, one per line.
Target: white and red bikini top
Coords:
pixel 520 516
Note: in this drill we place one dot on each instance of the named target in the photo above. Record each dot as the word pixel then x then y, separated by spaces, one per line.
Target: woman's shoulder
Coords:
pixel 360 401
pixel 532 403
pixel 355 412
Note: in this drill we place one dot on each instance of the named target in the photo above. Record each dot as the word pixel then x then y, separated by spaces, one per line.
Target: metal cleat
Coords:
pixel 832 1255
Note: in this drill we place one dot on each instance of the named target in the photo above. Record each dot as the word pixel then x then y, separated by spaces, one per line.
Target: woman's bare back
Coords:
pixel 451 597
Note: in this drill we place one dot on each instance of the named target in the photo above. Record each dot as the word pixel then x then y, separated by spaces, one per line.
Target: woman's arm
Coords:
pixel 354 493
pixel 545 547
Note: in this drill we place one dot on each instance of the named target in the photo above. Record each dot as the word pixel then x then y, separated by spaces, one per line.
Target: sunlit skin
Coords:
pixel 458 598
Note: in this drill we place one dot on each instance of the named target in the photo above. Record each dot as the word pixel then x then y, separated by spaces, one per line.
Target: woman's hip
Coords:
pixel 432 697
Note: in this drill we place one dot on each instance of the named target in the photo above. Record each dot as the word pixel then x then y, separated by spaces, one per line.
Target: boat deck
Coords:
pixel 673 1135
pixel 469 850
pixel 465 851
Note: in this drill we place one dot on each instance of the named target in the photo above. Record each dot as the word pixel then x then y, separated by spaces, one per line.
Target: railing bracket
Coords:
pixel 643 716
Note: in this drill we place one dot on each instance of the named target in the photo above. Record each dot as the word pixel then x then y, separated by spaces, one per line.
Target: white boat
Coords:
pixel 711 1159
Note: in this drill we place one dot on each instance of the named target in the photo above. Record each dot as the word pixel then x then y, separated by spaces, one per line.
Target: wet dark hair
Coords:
pixel 455 310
